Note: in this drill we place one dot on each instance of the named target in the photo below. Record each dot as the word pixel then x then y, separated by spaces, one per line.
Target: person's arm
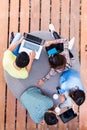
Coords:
pixel 50 74
pixel 48 43
pixel 67 102
pixel 13 46
pixel 66 54
pixel 31 56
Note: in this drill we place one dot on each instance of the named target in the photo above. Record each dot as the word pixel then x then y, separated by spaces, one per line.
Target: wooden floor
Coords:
pixel 70 19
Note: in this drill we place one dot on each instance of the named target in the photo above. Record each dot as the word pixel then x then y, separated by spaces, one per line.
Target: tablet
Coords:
pixel 67 115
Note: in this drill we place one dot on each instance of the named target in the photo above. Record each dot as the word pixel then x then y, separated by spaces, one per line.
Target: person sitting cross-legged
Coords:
pixel 37 104
pixel 40 107
pixel 70 81
pixel 17 66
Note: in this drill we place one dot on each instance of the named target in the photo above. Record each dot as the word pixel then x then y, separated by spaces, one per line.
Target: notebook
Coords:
pixel 32 43
pixel 67 115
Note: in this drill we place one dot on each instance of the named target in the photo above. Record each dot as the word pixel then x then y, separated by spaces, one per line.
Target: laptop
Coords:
pixel 67 115
pixel 31 43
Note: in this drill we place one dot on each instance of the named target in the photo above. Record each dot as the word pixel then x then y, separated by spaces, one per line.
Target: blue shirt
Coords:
pixel 36 103
pixel 70 79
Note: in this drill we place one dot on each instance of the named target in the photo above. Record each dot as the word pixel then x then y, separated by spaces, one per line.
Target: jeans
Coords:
pixel 16 38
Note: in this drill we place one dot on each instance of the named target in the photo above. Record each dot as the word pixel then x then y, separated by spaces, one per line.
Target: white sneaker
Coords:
pixel 71 43
pixel 51 28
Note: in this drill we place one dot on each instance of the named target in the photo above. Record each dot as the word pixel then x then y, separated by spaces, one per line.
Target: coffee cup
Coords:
pixel 55 96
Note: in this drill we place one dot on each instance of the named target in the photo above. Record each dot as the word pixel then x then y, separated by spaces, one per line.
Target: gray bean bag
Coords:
pixel 39 69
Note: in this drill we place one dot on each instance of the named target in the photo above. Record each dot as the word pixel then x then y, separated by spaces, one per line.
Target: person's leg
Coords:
pixel 56 35
pixel 59 47
pixel 11 37
pixel 16 38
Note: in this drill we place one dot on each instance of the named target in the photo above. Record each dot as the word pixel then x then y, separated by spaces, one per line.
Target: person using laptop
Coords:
pixel 17 66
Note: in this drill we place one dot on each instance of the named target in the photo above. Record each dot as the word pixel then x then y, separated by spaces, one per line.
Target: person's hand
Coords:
pixel 42 123
pixel 20 41
pixel 40 83
pixel 46 44
pixel 32 55
pixel 62 98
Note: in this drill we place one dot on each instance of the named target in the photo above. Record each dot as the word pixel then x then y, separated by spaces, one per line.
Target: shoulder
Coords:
pixel 8 53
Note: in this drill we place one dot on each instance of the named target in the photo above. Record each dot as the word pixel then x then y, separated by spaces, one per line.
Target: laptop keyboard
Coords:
pixel 31 46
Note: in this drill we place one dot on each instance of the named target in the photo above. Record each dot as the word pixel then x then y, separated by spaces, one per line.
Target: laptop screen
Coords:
pixel 33 39
pixel 30 46
pixel 32 43
pixel 67 115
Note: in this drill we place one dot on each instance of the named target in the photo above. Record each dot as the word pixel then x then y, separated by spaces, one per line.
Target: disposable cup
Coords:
pixel 55 96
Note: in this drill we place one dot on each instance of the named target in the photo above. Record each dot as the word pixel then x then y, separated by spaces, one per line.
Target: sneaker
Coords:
pixel 51 28
pixel 11 37
pixel 71 43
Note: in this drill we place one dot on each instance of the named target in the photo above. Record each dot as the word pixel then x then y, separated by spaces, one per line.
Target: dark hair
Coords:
pixel 22 60
pixel 50 118
pixel 57 61
pixel 78 96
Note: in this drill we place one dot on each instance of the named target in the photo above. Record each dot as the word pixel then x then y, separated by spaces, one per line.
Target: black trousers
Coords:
pixel 59 47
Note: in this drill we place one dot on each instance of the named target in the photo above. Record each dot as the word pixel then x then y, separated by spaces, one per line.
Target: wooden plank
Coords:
pixel 64 30
pixel 3 43
pixel 54 127
pixel 23 27
pixel 45 14
pixel 10 116
pixel 61 125
pixel 83 110
pixel 42 127
pixel 14 8
pixel 30 124
pixel 35 15
pixel 74 31
pixel 21 117
pixel 55 14
pixel 65 19
pixel 24 16
pixel 11 106
pixel 74 123
pixel 75 22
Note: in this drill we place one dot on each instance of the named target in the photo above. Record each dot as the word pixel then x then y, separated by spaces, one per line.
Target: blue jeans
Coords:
pixel 16 38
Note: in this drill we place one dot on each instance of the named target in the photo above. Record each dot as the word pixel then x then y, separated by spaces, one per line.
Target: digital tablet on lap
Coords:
pixel 67 115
